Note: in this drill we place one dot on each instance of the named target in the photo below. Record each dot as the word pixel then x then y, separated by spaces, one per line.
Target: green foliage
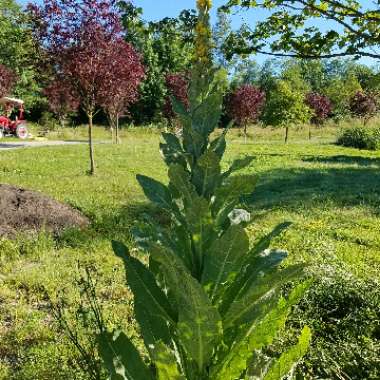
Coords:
pixel 206 300
pixel 288 30
pixel 360 137
pixel 18 51
pixel 166 47
pixel 286 106
pixel 344 312
pixel 341 219
pixel 285 364
pixel 340 90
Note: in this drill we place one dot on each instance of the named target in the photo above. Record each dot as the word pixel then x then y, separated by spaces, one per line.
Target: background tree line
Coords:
pixel 340 86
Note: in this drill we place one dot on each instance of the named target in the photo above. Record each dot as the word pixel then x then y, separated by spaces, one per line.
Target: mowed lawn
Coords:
pixel 330 194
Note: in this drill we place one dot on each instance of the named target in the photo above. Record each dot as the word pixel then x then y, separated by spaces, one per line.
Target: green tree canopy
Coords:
pixel 18 51
pixel 286 106
pixel 166 47
pixel 290 29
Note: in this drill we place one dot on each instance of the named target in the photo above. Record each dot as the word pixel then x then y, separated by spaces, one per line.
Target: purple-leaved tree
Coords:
pixel 245 105
pixel 62 99
pixel 121 88
pixel 79 37
pixel 363 105
pixel 321 107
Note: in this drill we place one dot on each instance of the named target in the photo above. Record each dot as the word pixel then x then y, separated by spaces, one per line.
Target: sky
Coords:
pixel 158 9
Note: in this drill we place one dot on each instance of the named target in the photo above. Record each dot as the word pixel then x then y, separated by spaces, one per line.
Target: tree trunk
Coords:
pixel 286 134
pixel 112 134
pixel 245 133
pixel 117 129
pixel 309 131
pixel 92 161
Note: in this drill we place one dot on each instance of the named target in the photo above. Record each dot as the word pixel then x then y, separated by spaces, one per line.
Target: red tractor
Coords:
pixel 16 127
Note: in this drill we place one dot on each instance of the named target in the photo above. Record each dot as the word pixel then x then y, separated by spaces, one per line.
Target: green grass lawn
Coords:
pixel 330 194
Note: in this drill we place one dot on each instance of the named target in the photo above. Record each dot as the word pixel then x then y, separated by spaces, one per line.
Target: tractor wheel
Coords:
pixel 22 132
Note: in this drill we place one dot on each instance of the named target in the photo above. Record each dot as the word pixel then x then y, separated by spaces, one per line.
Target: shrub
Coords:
pixel 344 312
pixel 360 137
pixel 321 106
pixel 47 123
pixel 363 105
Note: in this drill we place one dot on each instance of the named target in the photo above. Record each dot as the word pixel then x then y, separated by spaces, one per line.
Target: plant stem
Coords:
pixel 90 144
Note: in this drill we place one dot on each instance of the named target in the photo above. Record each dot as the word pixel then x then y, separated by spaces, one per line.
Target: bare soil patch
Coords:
pixel 29 211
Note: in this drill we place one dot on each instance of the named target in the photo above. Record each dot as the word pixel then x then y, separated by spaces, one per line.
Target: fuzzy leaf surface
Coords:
pixel 263 287
pixel 153 310
pixel 239 164
pixel 199 325
pixel 180 182
pixel 260 334
pixel 284 365
pixel 224 260
pixel 121 358
pixel 206 175
pixel 156 192
pixel 165 363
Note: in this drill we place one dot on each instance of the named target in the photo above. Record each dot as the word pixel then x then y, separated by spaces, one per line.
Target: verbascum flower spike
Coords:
pixel 203 44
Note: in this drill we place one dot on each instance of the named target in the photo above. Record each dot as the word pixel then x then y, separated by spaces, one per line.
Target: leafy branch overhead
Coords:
pixel 290 29
pixel 207 302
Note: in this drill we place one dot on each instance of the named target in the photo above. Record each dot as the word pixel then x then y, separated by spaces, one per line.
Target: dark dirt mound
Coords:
pixel 28 211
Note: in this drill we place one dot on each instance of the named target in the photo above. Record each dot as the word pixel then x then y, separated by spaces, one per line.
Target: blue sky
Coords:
pixel 158 9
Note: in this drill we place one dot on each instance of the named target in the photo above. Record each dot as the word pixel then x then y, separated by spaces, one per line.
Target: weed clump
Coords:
pixel 360 137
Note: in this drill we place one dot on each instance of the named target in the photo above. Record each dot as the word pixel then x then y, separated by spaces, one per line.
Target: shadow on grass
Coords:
pixel 113 224
pixel 310 187
pixel 290 189
pixel 342 159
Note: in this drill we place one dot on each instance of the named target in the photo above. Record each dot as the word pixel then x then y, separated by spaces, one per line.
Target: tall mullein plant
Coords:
pixel 207 304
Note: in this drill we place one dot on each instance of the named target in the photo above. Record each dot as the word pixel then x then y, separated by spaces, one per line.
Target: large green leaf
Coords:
pixel 233 189
pixel 153 310
pixel 166 363
pixel 173 141
pixel 172 150
pixel 200 224
pixel 159 194
pixel 121 358
pixel 206 174
pixel 224 260
pixel 156 192
pixel 259 335
pixel 194 144
pixel 261 265
pixel 290 358
pixel 199 328
pixel 219 145
pixel 180 183
pixel 259 261
pixel 245 308
pixel 206 115
pixel 238 164
pixel 178 107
